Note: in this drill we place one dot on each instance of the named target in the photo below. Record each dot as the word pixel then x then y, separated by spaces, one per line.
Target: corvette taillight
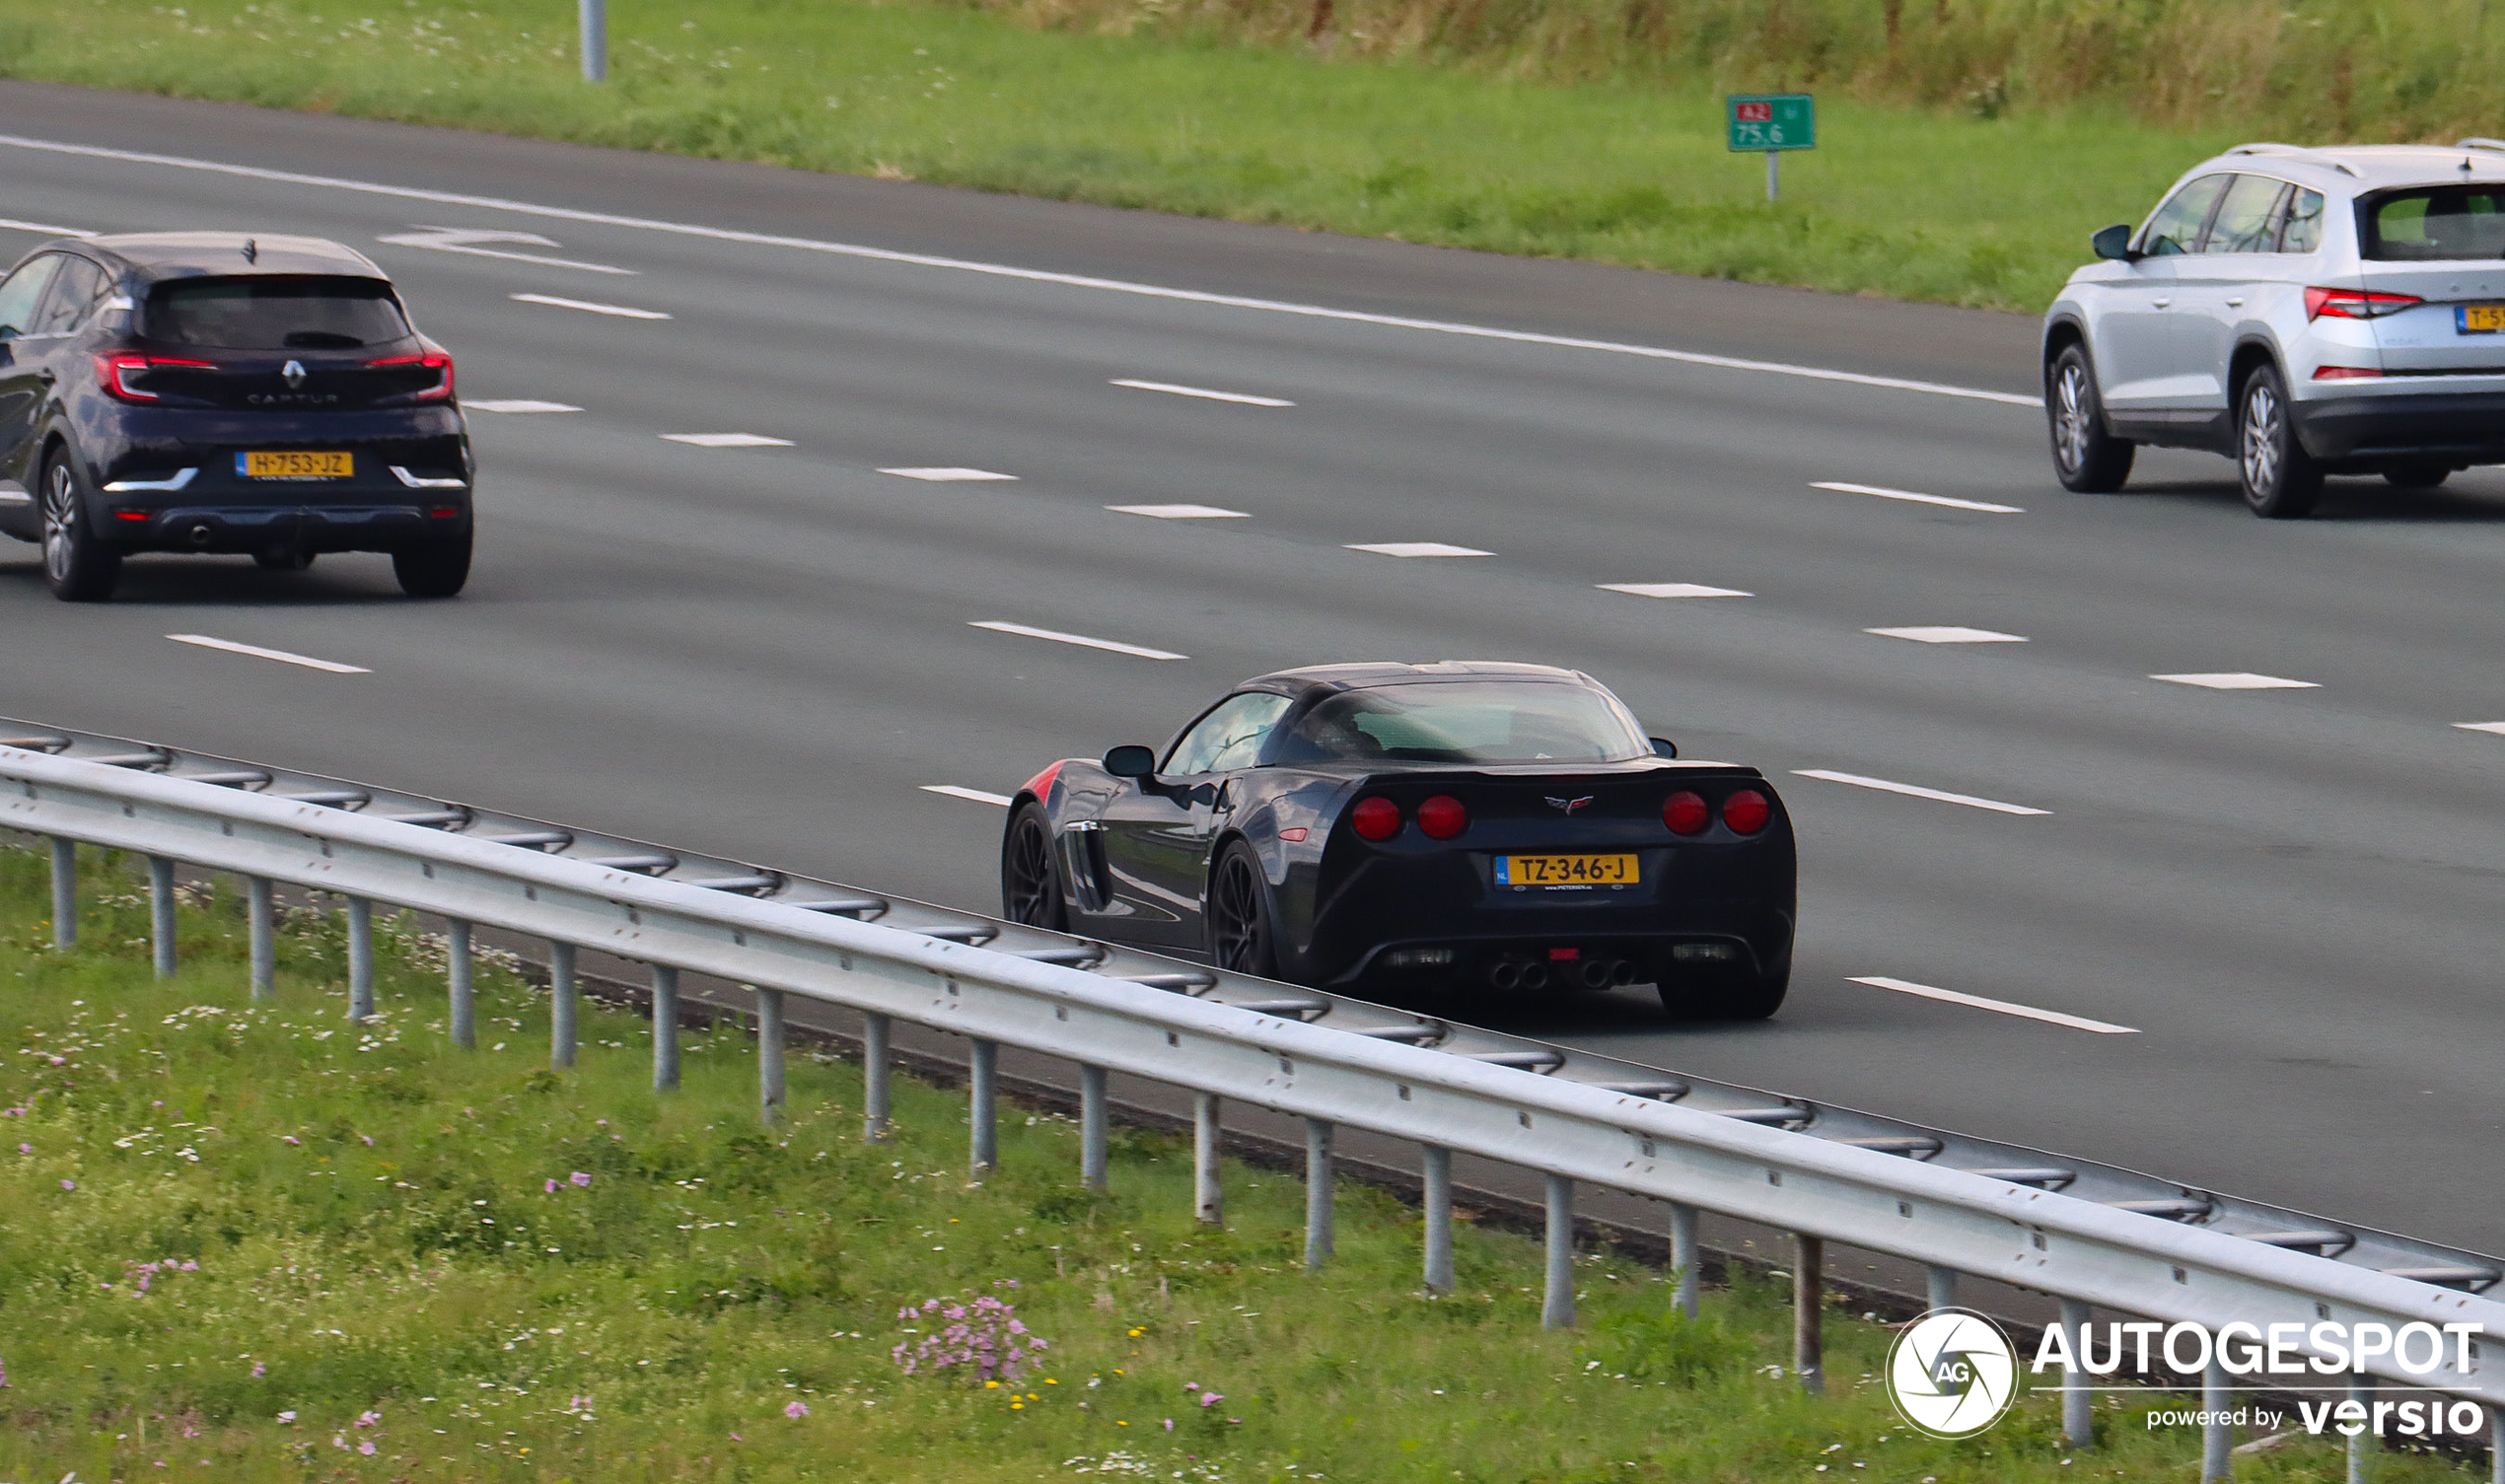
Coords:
pixel 1747 812
pixel 115 370
pixel 1685 813
pixel 2355 304
pixel 1443 817
pixel 1376 819
pixel 433 360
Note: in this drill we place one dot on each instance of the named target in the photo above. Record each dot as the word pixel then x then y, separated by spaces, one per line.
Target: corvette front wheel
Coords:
pixel 1030 887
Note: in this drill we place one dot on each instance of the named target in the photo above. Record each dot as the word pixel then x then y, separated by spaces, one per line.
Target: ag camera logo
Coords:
pixel 1952 1373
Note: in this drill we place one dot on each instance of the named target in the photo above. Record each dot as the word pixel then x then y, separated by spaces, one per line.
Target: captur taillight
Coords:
pixel 1685 813
pixel 1375 818
pixel 432 360
pixel 1747 812
pixel 1443 817
pixel 113 372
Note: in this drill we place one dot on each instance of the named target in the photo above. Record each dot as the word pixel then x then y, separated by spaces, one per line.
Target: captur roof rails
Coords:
pixel 2297 152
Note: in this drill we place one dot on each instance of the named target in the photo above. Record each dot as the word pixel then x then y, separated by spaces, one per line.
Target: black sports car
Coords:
pixel 213 392
pixel 1422 827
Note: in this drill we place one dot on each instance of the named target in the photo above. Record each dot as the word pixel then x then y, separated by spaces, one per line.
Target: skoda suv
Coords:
pixel 2304 311
pixel 215 393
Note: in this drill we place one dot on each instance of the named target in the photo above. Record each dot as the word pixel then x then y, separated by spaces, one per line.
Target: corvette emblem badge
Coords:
pixel 1571 804
pixel 294 373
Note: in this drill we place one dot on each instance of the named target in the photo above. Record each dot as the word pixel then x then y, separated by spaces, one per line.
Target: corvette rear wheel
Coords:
pixel 1238 915
pixel 1030 887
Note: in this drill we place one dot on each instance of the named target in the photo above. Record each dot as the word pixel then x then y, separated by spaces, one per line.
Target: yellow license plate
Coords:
pixel 295 464
pixel 2481 318
pixel 1565 870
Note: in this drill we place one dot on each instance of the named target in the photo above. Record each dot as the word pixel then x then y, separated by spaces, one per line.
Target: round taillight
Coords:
pixel 1376 819
pixel 1443 817
pixel 1685 813
pixel 1747 812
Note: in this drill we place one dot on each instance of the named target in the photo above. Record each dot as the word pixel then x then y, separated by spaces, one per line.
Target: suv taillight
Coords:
pixel 433 360
pixel 2355 304
pixel 115 370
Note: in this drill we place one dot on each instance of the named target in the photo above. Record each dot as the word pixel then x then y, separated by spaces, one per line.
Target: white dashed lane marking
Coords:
pixel 948 475
pixel 2239 680
pixel 976 796
pixel 1949 634
pixel 1180 512
pixel 283 657
pixel 1671 590
pixel 587 307
pixel 2003 1007
pixel 517 404
pixel 1920 499
pixel 1058 637
pixel 14 225
pixel 1206 393
pixel 727 439
pixel 467 240
pixel 1419 548
pixel 2496 726
pixel 1914 791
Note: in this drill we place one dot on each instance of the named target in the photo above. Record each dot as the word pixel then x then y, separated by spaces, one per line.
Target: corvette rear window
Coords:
pixel 2435 224
pixel 276 312
pixel 1466 721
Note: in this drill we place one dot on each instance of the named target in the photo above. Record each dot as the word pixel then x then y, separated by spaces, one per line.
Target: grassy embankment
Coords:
pixel 256 1242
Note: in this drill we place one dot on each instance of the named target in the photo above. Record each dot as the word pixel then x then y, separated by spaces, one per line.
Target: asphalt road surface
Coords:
pixel 2264 921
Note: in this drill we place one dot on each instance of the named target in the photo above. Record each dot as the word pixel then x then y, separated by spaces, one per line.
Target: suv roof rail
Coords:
pixel 2298 152
pixel 2474 142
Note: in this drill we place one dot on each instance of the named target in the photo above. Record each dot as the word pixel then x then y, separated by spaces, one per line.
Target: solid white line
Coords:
pixel 1912 791
pixel 46 228
pixel 281 656
pixel 516 405
pixel 2239 680
pixel 1057 637
pixel 953 791
pixel 1949 634
pixel 1180 512
pixel 1031 275
pixel 1246 399
pixel 948 475
pixel 587 307
pixel 2496 726
pixel 1671 590
pixel 1420 548
pixel 727 440
pixel 1920 499
pixel 1978 1002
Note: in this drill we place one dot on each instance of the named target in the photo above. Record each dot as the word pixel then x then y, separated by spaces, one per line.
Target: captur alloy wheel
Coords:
pixel 77 567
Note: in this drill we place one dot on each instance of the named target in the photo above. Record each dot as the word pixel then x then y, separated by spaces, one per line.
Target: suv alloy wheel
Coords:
pixel 2085 457
pixel 2281 481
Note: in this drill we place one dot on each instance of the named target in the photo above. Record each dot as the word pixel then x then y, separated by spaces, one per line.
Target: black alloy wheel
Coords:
pixel 2084 457
pixel 77 567
pixel 433 569
pixel 1238 915
pixel 1030 887
pixel 2281 481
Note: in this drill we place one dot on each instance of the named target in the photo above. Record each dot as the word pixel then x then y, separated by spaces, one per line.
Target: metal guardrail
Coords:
pixel 2089 1234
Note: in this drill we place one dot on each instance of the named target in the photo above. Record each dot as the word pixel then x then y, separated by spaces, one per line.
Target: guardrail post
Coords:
pixel 2496 1445
pixel 1809 1310
pixel 876 1031
pixel 457 976
pixel 262 914
pixel 594 16
pixel 1092 1174
pixel 1556 1299
pixel 1435 1208
pixel 770 1055
pixel 161 913
pixel 982 1086
pixel 1940 1286
pixel 64 893
pixel 665 1027
pixel 560 1006
pixel 360 959
pixel 1683 1258
pixel 1208 1201
pixel 1319 1177
pixel 2361 1447
pixel 2217 1437
pixel 2078 1419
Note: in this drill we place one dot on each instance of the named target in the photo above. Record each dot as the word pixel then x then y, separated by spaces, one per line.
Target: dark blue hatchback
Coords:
pixel 209 391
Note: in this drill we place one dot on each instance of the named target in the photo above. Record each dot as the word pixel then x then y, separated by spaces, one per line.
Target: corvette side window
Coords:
pixel 2175 227
pixel 1229 737
pixel 23 292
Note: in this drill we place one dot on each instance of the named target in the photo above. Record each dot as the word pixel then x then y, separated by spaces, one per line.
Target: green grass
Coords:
pixel 355 1222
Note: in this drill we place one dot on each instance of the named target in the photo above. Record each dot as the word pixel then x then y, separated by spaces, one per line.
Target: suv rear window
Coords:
pixel 2435 224
pixel 276 312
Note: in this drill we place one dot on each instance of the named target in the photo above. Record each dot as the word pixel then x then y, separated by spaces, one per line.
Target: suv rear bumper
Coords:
pixel 289 527
pixel 2454 427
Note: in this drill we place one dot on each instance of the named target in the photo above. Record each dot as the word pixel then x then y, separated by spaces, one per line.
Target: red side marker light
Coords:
pixel 1685 813
pixel 130 515
pixel 1294 836
pixel 1443 817
pixel 1376 819
pixel 1747 812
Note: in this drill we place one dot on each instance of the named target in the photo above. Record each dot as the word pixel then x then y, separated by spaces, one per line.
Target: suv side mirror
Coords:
pixel 2115 241
pixel 1134 761
pixel 1663 746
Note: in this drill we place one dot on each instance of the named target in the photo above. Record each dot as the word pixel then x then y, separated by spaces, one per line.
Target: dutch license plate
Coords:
pixel 2478 319
pixel 295 464
pixel 1565 870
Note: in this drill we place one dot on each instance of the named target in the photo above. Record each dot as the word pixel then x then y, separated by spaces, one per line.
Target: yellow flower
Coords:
pixel 990 1384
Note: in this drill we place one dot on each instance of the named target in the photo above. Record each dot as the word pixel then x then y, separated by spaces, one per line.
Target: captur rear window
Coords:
pixel 2435 224
pixel 276 312
pixel 1466 721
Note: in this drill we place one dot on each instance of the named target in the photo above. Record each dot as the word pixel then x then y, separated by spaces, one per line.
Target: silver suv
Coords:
pixel 2304 311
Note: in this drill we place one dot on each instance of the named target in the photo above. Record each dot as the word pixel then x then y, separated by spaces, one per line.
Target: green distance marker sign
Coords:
pixel 1772 122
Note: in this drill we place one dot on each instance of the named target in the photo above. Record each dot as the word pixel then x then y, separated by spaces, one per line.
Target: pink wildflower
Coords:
pixel 291 1138
pixel 548 1187
pixel 368 1419
pixel 338 1442
pixel 259 1369
pixel 69 1184
pixel 796 1410
pixel 579 1177
pixel 26 1148
pixel 369 1140
pixel 288 1418
pixel 366 1447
